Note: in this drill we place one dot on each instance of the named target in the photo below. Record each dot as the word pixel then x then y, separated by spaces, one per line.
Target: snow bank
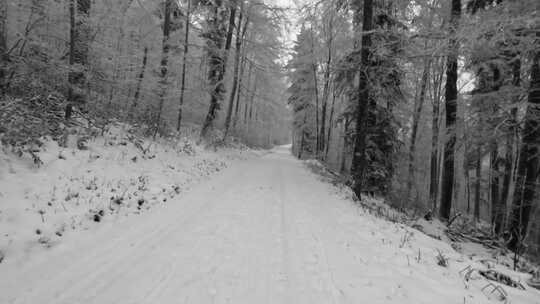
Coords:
pixel 115 176
pixel 413 261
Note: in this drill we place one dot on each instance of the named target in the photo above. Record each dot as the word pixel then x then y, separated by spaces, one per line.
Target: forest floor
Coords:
pixel 266 229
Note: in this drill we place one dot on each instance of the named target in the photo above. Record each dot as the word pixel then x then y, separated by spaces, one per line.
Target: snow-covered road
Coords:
pixel 265 230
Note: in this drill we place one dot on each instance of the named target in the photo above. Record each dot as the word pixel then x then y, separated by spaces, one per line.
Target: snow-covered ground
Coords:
pixel 117 176
pixel 264 230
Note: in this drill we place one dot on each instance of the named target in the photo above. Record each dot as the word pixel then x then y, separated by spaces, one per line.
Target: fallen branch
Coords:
pixel 502 278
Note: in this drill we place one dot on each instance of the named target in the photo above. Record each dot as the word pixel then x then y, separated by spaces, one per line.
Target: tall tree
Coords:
pixel 330 121
pixel 3 45
pixel 243 62
pixel 451 96
pixel 165 48
pixel 184 64
pixel 240 34
pixel 529 161
pixel 477 183
pixel 302 95
pixel 329 29
pixel 362 110
pixel 78 52
pixel 315 68
pixel 418 106
pixel 218 58
pixel 512 135
pixel 434 159
pixel 140 79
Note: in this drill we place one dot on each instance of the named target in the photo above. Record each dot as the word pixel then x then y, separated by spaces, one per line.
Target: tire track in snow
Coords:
pixel 107 262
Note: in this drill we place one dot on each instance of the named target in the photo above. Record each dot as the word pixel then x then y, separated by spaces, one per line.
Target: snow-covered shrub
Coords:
pixel 24 122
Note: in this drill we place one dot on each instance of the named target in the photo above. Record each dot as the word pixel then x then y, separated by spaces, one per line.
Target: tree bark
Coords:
pixel 526 186
pixel 239 38
pixel 164 62
pixel 434 163
pixel 359 156
pixel 316 93
pixel 478 183
pixel 326 90
pixel 240 89
pixel 184 65
pixel 78 54
pixel 139 84
pixel 347 145
pixel 3 45
pixel 451 95
pixel 497 206
pixel 419 105
pixel 511 139
pixel 468 187
pixel 303 137
pixel 116 65
pixel 330 123
pixel 218 62
pixel 252 99
pixel 250 71
pixel 118 53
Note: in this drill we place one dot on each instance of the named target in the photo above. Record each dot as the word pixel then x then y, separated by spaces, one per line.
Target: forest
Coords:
pixel 429 106
pixel 161 64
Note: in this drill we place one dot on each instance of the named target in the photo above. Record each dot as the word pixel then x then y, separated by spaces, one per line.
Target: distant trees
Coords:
pixel 143 61
pixel 302 96
pixel 365 80
pixel 184 65
pixel 428 105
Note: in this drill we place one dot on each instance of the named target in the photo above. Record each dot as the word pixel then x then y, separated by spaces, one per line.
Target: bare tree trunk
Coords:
pixel 139 83
pixel 116 65
pixel 529 160
pixel 435 161
pixel 218 64
pixel 246 104
pixel 240 90
pixel 451 95
pixel 118 53
pixel 511 141
pixel 359 156
pixel 347 146
pixel 164 63
pixel 330 123
pixel 468 188
pixel 419 105
pixel 497 208
pixel 252 101
pixel 478 183
pixel 184 64
pixel 78 53
pixel 239 37
pixel 326 92
pixel 3 45
pixel 317 102
pixel 303 138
